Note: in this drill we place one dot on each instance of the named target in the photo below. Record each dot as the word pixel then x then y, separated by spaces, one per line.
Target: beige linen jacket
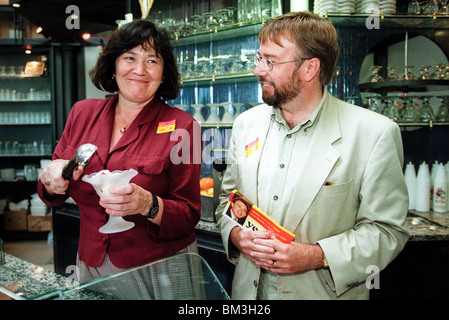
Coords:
pixel 359 221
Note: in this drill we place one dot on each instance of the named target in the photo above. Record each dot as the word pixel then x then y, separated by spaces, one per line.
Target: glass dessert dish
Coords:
pixel 104 180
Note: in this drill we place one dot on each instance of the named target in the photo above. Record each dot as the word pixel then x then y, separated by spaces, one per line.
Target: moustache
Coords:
pixel 261 80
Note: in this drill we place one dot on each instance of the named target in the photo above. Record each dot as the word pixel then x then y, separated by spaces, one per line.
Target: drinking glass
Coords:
pixel 414 7
pixel 425 75
pixel 430 7
pixel 102 182
pixel 390 110
pixel 443 112
pixel 409 75
pixel 197 112
pixel 213 115
pixel 375 77
pixel 426 112
pixel 392 76
pixel 409 112
pixel 374 104
pixel 223 17
pixel 438 74
pixel 444 8
pixel 209 20
pixel 11 71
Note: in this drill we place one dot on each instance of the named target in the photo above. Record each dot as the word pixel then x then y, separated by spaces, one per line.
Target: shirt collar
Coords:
pixel 276 116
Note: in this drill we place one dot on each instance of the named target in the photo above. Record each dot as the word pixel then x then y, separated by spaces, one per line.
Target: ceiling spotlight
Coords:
pixel 16 5
pixel 86 36
pixel 39 29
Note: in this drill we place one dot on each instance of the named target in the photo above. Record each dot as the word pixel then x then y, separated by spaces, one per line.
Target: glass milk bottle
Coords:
pixel 423 188
pixel 410 180
pixel 440 190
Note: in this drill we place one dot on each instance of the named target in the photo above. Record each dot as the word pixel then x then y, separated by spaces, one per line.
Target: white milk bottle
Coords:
pixel 410 180
pixel 440 190
pixel 423 188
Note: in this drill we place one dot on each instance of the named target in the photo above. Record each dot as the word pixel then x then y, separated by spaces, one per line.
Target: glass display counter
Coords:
pixel 184 276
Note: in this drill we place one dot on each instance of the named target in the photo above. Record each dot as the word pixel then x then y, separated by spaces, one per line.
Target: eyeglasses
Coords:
pixel 269 65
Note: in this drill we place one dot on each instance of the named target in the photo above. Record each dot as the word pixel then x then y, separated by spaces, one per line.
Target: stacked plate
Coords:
pixel 37 207
pixel 387 6
pixel 367 6
pixel 354 6
pixel 346 6
pixel 321 6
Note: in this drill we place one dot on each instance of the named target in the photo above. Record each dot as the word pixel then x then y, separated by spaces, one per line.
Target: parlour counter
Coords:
pixel 184 276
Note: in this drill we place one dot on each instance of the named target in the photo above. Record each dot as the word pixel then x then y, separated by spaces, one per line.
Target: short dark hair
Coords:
pixel 144 33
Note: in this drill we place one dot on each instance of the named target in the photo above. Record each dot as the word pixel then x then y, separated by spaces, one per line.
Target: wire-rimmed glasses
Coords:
pixel 269 65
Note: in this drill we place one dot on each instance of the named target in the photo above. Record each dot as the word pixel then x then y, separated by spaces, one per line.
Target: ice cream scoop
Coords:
pixel 84 152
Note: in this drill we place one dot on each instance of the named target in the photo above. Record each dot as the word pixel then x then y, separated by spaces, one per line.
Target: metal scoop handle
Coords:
pixel 67 172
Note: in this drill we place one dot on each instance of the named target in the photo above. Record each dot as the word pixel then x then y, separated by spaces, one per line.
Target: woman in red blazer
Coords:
pixel 130 130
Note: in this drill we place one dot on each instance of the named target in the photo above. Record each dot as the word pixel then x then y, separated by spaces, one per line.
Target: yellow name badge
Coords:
pixel 253 146
pixel 167 126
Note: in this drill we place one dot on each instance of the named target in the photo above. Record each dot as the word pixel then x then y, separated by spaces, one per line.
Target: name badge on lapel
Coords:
pixel 167 126
pixel 253 146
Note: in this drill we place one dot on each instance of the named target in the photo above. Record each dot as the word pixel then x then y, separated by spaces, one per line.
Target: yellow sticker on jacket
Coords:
pixel 253 146
pixel 167 126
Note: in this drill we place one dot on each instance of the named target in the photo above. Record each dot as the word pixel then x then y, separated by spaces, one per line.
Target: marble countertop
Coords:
pixel 22 280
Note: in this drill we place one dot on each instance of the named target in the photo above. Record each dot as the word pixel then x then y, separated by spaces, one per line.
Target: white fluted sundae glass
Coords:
pixel 104 180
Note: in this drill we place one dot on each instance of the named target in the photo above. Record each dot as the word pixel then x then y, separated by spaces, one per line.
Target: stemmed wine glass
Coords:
pixel 390 110
pixel 103 181
pixel 392 76
pixel 409 75
pixel 426 112
pixel 443 112
pixel 374 104
pixel 414 7
pixel 375 77
pixel 425 75
pixel 409 112
pixel 438 74
pixel 430 7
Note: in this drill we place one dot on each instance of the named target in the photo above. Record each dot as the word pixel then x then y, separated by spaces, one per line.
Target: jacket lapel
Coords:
pixel 251 165
pixel 318 164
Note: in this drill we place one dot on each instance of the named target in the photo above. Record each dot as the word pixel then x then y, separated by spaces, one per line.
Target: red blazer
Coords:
pixel 140 148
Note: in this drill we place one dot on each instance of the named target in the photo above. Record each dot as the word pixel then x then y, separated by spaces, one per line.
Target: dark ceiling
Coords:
pixel 95 15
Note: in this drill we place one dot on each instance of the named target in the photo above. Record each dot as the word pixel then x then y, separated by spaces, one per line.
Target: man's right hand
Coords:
pixel 244 242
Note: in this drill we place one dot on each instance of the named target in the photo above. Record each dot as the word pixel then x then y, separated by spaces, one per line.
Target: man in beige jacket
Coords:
pixel 328 171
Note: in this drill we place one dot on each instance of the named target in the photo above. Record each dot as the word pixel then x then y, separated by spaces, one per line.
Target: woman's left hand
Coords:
pixel 127 200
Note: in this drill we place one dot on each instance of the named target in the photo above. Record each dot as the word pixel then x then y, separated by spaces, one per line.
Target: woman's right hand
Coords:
pixel 51 177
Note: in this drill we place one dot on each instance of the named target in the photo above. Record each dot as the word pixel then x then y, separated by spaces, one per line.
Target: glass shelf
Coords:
pixel 440 20
pixel 405 86
pixel 221 33
pixel 429 124
pixel 26 100
pixel 217 125
pixel 221 79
